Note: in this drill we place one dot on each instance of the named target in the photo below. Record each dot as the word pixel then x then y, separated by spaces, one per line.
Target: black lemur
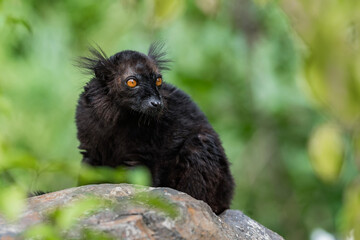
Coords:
pixel 127 116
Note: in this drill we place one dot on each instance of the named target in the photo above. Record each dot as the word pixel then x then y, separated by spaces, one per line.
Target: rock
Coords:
pixel 245 227
pixel 139 213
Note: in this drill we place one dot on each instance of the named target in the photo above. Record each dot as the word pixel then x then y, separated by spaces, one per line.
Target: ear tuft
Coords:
pixel 97 63
pixel 158 54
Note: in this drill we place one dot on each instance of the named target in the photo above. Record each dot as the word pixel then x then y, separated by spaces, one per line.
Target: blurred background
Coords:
pixel 279 81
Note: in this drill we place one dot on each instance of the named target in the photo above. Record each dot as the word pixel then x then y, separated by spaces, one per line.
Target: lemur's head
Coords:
pixel 132 79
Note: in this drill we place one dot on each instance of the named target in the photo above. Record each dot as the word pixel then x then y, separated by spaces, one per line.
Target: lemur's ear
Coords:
pixel 98 63
pixel 158 54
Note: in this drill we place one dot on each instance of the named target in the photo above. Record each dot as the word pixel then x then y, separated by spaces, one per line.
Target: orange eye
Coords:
pixel 131 83
pixel 158 81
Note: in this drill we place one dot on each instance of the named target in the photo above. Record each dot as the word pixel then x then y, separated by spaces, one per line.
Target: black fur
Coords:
pixel 117 125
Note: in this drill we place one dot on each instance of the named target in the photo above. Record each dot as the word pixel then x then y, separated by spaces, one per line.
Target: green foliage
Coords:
pixel 330 31
pixel 326 152
pixel 237 60
pixel 47 231
pixel 91 175
pixel 153 201
pixel 12 202
pixel 62 219
pixel 43 231
pixel 66 217
pixel 350 217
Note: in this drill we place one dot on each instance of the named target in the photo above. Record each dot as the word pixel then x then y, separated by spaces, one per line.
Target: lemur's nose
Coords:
pixel 155 103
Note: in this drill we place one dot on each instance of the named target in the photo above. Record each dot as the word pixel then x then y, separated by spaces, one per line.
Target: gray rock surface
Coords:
pixel 129 216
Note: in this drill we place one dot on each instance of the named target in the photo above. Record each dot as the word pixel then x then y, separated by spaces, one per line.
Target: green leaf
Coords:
pixel 350 216
pixel 12 202
pixel 90 234
pixel 92 175
pixel 140 176
pixel 327 152
pixel 154 201
pixel 42 231
pixel 163 11
pixel 67 216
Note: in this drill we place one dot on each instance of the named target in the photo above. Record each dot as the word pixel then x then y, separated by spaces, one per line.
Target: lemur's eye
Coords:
pixel 131 83
pixel 158 81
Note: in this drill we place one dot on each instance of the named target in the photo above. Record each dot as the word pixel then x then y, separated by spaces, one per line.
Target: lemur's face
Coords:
pixel 130 79
pixel 137 82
